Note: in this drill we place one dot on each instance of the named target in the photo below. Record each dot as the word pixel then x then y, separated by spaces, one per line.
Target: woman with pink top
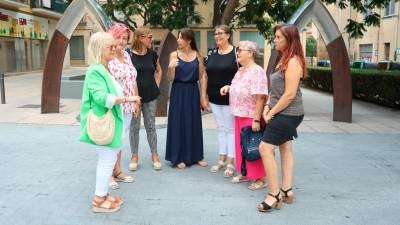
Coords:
pixel 247 94
pixel 122 69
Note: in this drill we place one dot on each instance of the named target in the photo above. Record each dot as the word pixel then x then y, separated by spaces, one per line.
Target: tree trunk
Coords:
pixel 217 13
pixel 229 11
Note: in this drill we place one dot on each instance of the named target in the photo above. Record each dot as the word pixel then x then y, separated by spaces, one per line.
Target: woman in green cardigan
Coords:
pixel 101 92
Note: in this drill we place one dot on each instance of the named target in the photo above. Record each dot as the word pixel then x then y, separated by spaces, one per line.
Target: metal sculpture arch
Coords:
pixel 58 47
pixel 315 11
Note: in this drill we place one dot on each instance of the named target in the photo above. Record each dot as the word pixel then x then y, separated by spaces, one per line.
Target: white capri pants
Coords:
pixel 225 123
pixel 105 164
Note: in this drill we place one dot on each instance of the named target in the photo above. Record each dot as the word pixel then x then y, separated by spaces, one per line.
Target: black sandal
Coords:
pixel 264 207
pixel 286 198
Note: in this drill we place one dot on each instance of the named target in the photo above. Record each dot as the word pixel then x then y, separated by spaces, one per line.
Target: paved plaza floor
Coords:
pixel 345 173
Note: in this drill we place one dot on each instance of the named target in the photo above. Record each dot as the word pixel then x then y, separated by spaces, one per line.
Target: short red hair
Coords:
pixel 294 48
pixel 118 29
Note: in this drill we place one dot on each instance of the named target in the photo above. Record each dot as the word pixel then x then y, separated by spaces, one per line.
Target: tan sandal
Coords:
pixel 133 165
pixel 156 162
pixel 117 199
pixel 238 179
pixel 181 165
pixel 216 168
pixel 104 206
pixel 124 178
pixel 229 171
pixel 257 185
pixel 202 163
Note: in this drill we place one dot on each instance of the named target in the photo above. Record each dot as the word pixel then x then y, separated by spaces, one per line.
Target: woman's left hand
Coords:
pixel 134 99
pixel 255 126
pixel 268 117
pixel 205 105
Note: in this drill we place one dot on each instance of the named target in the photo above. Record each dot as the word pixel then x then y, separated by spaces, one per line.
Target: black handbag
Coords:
pixel 250 142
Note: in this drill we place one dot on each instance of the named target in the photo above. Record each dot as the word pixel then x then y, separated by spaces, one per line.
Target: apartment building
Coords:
pixel 379 43
pixel 25 29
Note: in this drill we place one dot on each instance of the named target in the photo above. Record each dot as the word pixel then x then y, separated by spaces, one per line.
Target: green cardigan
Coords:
pixel 99 83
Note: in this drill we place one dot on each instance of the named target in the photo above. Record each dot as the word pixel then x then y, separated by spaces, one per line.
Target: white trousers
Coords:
pixel 225 123
pixel 105 164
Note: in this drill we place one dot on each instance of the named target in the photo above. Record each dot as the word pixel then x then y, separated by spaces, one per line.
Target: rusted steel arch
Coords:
pixel 168 45
pixel 315 11
pixel 58 46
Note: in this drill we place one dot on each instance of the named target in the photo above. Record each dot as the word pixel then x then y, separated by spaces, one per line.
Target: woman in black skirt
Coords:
pixel 283 113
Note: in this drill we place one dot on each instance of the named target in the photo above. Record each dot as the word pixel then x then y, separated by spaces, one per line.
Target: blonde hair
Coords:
pixel 98 41
pixel 141 31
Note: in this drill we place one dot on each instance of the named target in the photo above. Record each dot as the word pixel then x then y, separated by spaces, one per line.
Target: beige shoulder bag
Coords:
pixel 100 129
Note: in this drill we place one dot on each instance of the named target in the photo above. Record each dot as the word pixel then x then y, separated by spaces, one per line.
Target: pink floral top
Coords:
pixel 124 73
pixel 247 83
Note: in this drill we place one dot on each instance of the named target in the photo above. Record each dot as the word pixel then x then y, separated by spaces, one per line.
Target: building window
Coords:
pixel 156 45
pixel 259 39
pixel 197 39
pixel 77 48
pixel 210 40
pixel 389 8
pixel 366 52
pixel 386 51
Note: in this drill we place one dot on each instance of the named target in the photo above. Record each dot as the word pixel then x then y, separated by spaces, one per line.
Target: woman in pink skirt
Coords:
pixel 247 95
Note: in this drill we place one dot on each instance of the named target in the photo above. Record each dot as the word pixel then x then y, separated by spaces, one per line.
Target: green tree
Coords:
pixel 311 47
pixel 265 13
pixel 170 14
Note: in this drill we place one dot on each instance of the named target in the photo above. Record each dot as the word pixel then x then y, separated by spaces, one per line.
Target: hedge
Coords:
pixel 378 86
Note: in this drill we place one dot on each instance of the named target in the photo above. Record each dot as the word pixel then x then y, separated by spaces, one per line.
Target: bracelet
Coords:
pixel 256 121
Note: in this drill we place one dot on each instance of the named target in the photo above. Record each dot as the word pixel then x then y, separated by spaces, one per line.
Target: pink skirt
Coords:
pixel 255 169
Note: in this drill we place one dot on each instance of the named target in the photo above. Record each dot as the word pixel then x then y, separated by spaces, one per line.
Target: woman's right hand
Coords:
pixel 173 63
pixel 224 90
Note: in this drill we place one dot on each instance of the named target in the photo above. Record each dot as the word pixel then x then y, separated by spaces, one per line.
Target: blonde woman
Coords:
pixel 124 72
pixel 148 80
pixel 102 92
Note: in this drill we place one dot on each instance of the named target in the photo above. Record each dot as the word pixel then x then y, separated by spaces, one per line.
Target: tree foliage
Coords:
pixel 170 14
pixel 311 47
pixel 265 13
pixel 175 14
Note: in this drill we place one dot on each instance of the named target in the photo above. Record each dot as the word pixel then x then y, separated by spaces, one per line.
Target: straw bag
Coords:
pixel 100 129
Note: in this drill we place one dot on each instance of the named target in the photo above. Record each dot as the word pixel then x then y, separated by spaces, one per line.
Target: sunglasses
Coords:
pixel 148 36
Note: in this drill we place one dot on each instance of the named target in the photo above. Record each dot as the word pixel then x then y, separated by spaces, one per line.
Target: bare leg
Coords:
pixel 271 169
pixel 287 163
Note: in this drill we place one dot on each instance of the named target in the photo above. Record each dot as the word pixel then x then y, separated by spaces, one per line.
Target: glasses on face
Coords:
pixel 148 36
pixel 239 50
pixel 219 33
pixel 112 47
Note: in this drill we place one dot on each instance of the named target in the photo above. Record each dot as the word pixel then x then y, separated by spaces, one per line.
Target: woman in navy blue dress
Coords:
pixel 184 134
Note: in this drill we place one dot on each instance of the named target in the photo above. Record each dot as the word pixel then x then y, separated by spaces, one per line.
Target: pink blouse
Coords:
pixel 247 83
pixel 125 74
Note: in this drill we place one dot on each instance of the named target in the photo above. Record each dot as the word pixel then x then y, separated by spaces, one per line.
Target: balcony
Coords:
pixel 49 8
pixel 15 4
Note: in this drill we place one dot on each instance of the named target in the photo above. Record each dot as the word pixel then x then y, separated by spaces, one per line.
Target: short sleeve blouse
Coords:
pixel 247 83
pixel 125 74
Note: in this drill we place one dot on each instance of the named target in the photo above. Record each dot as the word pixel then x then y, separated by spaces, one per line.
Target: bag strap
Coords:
pixel 237 64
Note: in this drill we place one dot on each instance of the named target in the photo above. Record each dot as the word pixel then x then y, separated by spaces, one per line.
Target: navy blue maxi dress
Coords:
pixel 185 133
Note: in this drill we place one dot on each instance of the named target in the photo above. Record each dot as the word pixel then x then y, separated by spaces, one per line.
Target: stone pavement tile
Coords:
pixel 353 128
pixel 385 130
pixel 327 129
pixel 305 127
pixel 339 178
